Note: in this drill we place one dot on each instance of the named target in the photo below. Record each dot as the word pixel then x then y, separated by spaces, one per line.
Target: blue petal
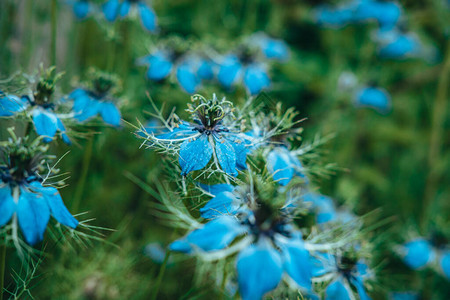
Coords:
pixel 218 206
pixel 33 215
pixel 225 155
pixel 81 100
pixel 217 188
pixel 111 10
pixel 444 262
pixel 56 204
pixel 7 205
pixel 214 235
pixel 90 109
pixel 358 283
pixel 333 17
pixel 124 9
pixel 229 71
pixel 322 263
pixel 62 129
pixel 46 124
pixel 182 131
pixel 337 290
pixel 81 9
pixel 259 270
pixel 187 78
pixel 279 165
pixel 110 114
pixel 148 17
pixel 241 149
pixel 205 70
pixel 402 47
pixel 297 263
pixel 195 154
pixel 275 49
pixel 159 66
pixel 375 98
pixel 418 253
pixel 256 79
pixel 9 105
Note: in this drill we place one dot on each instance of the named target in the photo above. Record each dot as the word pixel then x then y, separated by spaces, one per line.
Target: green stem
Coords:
pixel 84 172
pixel 436 138
pixel 160 276
pixel 53 33
pixel 2 268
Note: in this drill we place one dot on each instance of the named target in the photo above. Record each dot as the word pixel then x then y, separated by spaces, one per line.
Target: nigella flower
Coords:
pixel 208 137
pixel 112 9
pixel 344 271
pixel 189 69
pixel 89 103
pixel 25 198
pixel 283 165
pixel 373 97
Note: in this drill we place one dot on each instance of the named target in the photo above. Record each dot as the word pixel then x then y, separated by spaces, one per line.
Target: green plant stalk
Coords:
pixel 160 276
pixel 53 33
pixel 84 172
pixel 2 268
pixel 436 138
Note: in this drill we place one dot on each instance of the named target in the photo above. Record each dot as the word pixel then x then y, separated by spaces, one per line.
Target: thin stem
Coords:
pixel 160 275
pixel 84 172
pixel 53 33
pixel 2 268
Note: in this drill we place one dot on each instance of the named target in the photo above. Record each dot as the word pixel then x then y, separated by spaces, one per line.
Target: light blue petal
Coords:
pixel 56 204
pixel 110 114
pixel 445 263
pixel 218 206
pixel 275 49
pixel 322 263
pixel 81 99
pixel 279 165
pixel 111 10
pixel 159 66
pixel 337 290
pixel 256 79
pixel 7 205
pixel 187 78
pixel 46 124
pixel 195 154
pixel 297 263
pixel 259 270
pixel 229 71
pixel 217 188
pixel 225 155
pixel 33 215
pixel 148 17
pixel 214 235
pixel 124 9
pixel 9 105
pixel 81 9
pixel 418 253
pixel 358 283
pixel 402 47
pixel 205 70
pixel 91 109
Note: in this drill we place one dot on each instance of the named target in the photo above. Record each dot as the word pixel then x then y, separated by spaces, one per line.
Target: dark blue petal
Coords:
pixel 229 71
pixel 81 9
pixel 9 105
pixel 205 70
pixel 46 124
pixel 256 79
pixel 159 66
pixel 56 204
pixel 338 290
pixel 297 262
pixel 148 17
pixel 418 253
pixel 444 262
pixel 225 155
pixel 214 235
pixel 7 205
pixel 111 10
pixel 358 283
pixel 187 79
pixel 375 98
pixel 33 215
pixel 217 188
pixel 195 154
pixel 259 270
pixel 279 165
pixel 124 9
pixel 218 206
pixel 110 114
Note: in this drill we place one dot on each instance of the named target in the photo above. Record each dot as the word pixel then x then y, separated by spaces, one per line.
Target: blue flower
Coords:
pixel 113 9
pixel 345 273
pixel 89 104
pixel 207 138
pixel 283 165
pixel 11 104
pixel 47 124
pixel 81 9
pixel 373 97
pixel 417 253
pixel 397 44
pixel 23 195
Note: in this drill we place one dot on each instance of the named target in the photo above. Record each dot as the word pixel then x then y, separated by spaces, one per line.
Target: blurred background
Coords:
pixel 392 157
